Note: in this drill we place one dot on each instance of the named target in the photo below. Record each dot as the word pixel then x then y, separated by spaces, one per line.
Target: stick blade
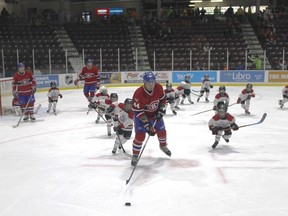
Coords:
pixel 263 117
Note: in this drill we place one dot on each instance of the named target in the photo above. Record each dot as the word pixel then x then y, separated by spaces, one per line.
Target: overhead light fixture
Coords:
pixel 195 1
pixel 191 5
pixel 216 0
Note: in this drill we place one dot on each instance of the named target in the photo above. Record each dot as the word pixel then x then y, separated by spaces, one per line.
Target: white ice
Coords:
pixel 63 166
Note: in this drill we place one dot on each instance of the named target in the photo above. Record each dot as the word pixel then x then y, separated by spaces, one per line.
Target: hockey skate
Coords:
pixel 281 105
pixel 174 112
pixel 207 100
pixel 215 144
pixel 191 102
pixel 226 140
pixel 247 112
pixel 97 120
pixel 165 150
pixel 182 102
pixel 176 107
pixel 114 150
pixel 32 117
pixel 198 99
pixel 134 160
pixel 26 118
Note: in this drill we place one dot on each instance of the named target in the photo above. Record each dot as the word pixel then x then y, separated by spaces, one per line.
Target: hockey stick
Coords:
pixel 128 180
pixel 37 109
pixel 259 122
pixel 210 110
pixel 27 104
pixel 101 116
pixel 120 143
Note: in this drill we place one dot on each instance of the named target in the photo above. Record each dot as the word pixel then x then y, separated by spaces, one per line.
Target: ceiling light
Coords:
pixel 216 0
pixel 195 1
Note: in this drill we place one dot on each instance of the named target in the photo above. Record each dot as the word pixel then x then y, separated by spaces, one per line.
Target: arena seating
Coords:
pixel 195 37
pixel 108 38
pixel 25 38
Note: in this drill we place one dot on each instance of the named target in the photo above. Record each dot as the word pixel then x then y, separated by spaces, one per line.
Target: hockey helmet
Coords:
pixel 168 86
pixel 114 97
pixel 222 89
pixel 249 87
pixel 286 86
pixel 21 67
pixel 221 109
pixel 128 104
pixel 89 61
pixel 206 76
pixel 187 77
pixel 149 77
pixel 53 84
pixel 103 90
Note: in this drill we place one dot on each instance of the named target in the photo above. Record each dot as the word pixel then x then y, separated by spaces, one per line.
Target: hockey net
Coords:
pixel 6 96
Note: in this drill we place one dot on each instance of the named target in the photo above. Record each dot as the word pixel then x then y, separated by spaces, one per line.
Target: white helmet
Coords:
pixel 103 90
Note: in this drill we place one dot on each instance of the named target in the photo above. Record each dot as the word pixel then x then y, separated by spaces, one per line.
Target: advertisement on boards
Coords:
pixel 137 77
pixel 278 76
pixel 44 81
pixel 242 76
pixel 195 76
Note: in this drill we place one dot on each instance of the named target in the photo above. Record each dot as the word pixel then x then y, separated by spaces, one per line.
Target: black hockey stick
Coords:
pixel 128 180
pixel 101 116
pixel 120 143
pixel 23 111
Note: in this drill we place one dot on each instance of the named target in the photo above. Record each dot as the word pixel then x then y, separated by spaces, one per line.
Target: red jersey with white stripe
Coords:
pixel 90 75
pixel 22 83
pixel 148 103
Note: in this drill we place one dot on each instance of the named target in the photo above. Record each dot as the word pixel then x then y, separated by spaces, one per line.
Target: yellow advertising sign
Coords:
pixel 277 76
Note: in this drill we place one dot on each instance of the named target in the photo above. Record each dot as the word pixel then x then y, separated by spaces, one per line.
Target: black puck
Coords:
pixel 127 204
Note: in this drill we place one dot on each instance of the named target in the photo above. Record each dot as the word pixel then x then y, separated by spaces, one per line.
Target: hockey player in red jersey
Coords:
pixel 53 95
pixel 149 108
pixel 222 122
pixel 285 96
pixel 91 79
pixel 24 87
pixel 123 123
pixel 206 86
pixel 245 96
pixel 221 97
pixel 170 97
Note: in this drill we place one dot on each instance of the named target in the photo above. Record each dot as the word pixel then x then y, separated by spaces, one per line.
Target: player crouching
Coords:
pixel 222 122
pixel 123 123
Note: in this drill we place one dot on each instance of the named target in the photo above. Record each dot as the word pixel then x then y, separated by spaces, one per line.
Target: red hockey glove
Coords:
pixel 150 129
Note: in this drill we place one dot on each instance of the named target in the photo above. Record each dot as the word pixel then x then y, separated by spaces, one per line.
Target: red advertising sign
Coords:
pixel 102 11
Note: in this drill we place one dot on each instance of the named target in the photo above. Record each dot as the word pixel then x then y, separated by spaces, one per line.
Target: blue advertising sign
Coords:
pixel 43 81
pixel 196 76
pixel 242 76
pixel 116 11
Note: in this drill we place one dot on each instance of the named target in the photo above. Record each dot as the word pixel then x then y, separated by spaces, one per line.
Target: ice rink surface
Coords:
pixel 63 166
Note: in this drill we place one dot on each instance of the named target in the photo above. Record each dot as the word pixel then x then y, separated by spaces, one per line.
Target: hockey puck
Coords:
pixel 127 204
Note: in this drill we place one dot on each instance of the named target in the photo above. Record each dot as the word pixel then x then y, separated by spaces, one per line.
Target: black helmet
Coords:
pixel 128 103
pixel 114 97
pixel 222 88
pixel 221 109
pixel 168 85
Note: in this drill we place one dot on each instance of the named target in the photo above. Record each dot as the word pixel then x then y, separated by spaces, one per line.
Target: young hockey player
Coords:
pixel 285 96
pixel 106 107
pixel 221 97
pixel 149 108
pixel 123 123
pixel 53 95
pixel 186 85
pixel 23 88
pixel 170 97
pixel 91 79
pixel 222 122
pixel 245 96
pixel 206 86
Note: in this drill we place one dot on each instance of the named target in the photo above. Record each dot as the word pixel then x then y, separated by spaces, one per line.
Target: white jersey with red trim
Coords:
pixel 125 119
pixel 221 97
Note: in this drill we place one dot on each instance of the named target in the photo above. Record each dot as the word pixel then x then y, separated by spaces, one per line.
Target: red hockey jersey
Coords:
pixel 23 83
pixel 90 75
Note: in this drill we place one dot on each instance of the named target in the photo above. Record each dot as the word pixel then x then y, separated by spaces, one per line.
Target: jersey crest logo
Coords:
pixel 153 106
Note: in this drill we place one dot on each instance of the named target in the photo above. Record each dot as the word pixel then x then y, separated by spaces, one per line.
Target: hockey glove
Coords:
pixel 60 95
pixel 214 129
pixel 214 108
pixel 171 100
pixel 15 94
pixel 76 81
pixel 34 89
pixel 110 109
pixel 248 97
pixel 234 127
pixel 118 130
pixel 211 86
pixel 160 114
pixel 187 91
pixel 93 105
pixel 239 101
pixel 149 129
pixel 100 108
